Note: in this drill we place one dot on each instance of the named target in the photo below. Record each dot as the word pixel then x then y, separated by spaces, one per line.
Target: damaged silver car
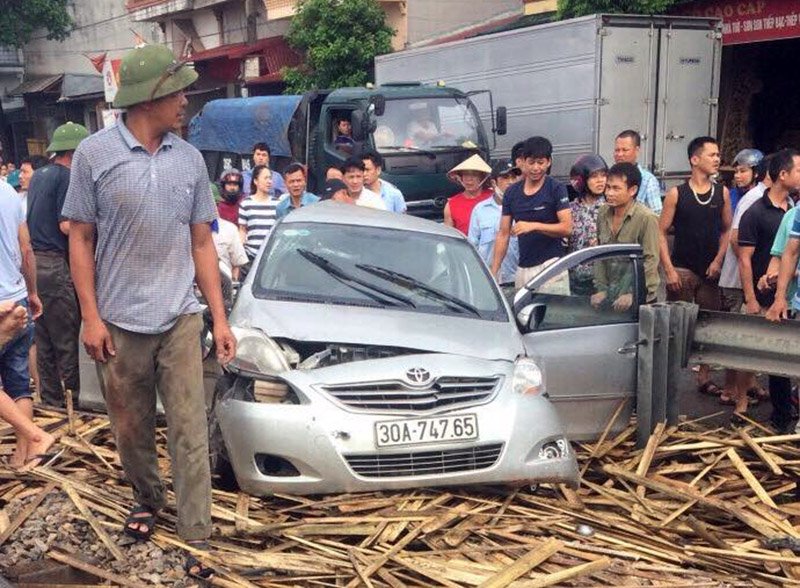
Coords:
pixel 377 352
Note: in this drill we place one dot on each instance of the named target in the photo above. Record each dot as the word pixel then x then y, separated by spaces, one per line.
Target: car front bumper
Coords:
pixel 324 441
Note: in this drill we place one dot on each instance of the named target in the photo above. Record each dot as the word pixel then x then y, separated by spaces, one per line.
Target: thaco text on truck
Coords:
pixel 303 128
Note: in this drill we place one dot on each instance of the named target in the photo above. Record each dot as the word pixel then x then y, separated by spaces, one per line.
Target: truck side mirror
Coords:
pixel 501 118
pixel 358 124
pixel 379 100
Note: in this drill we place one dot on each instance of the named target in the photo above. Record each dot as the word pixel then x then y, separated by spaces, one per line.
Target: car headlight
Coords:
pixel 257 354
pixel 528 378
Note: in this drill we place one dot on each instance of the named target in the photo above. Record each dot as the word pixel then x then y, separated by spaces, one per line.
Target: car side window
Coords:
pixel 598 292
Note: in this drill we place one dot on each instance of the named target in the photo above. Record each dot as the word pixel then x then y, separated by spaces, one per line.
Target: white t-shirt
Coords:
pixel 370 199
pixel 729 274
pixel 229 247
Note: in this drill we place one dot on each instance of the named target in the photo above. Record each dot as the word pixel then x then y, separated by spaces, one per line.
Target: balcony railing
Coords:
pixel 285 8
pixel 10 57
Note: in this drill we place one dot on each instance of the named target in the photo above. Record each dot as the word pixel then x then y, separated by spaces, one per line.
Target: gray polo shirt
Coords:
pixel 143 206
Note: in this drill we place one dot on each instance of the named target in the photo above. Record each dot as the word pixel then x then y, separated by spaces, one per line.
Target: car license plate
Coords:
pixel 429 430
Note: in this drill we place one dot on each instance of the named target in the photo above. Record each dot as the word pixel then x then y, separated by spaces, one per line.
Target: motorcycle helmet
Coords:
pixel 231 176
pixel 754 159
pixel 584 167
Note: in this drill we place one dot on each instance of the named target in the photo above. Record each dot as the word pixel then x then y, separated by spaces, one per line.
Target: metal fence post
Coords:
pixel 653 363
pixel 681 326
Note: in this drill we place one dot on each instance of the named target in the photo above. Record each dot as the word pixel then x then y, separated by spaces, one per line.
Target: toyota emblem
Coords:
pixel 418 375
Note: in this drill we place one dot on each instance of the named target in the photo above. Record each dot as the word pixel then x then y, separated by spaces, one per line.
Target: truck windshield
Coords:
pixel 370 266
pixel 427 123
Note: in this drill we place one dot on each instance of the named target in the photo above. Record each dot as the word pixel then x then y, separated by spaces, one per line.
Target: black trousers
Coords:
pixel 57 330
pixel 780 394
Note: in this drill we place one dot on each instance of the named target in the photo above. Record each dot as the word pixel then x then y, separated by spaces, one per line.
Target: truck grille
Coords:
pixel 449 392
pixel 425 463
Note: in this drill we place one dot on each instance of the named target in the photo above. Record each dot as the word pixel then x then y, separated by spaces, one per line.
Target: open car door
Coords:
pixel 580 321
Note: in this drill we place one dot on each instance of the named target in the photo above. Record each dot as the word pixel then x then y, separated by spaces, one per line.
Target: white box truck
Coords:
pixel 579 82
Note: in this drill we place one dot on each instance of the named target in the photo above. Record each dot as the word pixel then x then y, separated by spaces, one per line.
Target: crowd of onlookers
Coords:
pixel 702 242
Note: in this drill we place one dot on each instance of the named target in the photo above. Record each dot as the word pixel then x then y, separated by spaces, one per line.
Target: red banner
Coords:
pixel 748 22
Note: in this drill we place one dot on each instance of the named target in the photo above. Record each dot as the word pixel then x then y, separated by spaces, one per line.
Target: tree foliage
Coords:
pixel 573 8
pixel 22 17
pixel 339 40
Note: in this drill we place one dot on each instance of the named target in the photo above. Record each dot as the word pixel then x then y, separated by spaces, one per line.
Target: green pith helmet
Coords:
pixel 150 72
pixel 67 137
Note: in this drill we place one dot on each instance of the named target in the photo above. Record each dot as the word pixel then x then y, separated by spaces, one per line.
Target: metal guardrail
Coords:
pixel 674 335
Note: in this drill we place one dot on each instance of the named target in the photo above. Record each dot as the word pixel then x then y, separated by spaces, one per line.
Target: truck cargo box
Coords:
pixel 579 82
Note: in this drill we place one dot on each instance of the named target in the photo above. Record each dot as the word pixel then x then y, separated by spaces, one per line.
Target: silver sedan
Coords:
pixel 377 352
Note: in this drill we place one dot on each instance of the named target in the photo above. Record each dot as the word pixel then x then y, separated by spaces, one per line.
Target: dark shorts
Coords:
pixel 696 289
pixel 14 363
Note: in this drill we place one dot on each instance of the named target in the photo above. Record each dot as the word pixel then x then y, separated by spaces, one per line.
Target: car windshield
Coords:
pixel 383 268
pixel 428 124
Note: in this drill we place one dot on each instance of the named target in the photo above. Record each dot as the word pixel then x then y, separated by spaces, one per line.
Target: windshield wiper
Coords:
pixel 427 152
pixel 413 284
pixel 353 282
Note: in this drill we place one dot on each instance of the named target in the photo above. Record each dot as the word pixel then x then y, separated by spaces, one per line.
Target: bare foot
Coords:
pixel 17 458
pixel 37 451
pixel 12 322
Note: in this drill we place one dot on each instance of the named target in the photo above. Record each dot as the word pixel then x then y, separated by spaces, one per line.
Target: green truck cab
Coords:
pixel 421 132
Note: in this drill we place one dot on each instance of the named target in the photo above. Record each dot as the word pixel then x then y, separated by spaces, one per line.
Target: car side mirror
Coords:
pixel 501 121
pixel 532 316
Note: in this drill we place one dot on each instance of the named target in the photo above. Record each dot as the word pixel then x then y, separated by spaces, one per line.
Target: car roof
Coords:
pixel 338 213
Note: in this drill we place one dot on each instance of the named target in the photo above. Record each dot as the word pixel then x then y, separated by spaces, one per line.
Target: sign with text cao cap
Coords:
pixel 750 21
pixel 111 78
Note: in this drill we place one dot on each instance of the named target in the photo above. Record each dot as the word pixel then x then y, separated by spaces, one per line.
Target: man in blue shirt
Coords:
pixel 261 155
pixel 484 223
pixel 391 196
pixel 295 175
pixel 537 211
pixel 626 150
pixel 780 308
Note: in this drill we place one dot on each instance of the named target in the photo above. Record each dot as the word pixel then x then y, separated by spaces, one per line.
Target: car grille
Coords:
pixel 449 392
pixel 425 463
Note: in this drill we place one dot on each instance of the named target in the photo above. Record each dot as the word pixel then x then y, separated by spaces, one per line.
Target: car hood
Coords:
pixel 301 321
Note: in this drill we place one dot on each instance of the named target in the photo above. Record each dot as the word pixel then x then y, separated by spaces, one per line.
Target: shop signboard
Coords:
pixel 750 21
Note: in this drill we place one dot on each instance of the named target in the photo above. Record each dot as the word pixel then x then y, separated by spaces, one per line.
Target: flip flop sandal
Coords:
pixel 709 389
pixel 140 515
pixel 194 568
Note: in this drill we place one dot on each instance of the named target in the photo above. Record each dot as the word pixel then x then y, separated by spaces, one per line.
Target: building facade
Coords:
pixel 60 81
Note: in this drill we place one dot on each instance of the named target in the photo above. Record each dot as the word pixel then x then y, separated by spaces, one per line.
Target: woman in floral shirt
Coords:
pixel 589 180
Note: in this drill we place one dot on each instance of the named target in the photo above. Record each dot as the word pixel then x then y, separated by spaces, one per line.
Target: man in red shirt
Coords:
pixel 472 174
pixel 230 185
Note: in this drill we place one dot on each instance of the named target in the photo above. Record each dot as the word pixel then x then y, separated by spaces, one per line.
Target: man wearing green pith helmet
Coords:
pixel 57 330
pixel 144 192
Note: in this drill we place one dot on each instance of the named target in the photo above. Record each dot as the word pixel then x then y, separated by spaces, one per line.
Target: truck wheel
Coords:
pixel 222 475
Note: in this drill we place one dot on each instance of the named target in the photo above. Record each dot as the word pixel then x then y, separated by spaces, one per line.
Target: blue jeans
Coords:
pixel 14 372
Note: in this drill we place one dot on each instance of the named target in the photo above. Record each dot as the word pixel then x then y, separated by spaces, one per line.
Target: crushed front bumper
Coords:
pixel 321 446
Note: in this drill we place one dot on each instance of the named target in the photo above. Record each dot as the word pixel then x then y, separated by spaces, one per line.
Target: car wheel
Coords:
pixel 222 474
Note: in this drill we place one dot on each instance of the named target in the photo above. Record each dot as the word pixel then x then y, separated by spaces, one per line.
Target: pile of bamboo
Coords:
pixel 695 507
